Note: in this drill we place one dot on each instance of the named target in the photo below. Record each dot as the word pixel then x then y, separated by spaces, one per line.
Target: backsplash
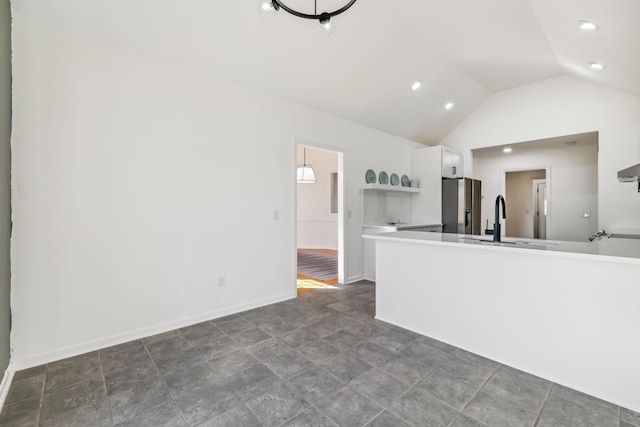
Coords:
pixel 382 207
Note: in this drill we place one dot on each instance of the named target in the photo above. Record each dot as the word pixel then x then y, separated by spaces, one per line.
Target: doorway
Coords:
pixel 540 208
pixel 526 213
pixel 319 219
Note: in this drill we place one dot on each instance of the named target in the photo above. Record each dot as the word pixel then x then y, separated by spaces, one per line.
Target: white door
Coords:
pixel 540 209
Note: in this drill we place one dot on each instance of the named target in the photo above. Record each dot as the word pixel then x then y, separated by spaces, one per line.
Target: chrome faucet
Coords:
pixel 496 224
pixel 599 235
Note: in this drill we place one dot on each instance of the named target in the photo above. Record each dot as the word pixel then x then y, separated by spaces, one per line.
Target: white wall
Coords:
pixel 565 106
pixel 135 189
pixel 317 226
pixel 572 187
pixel 5 186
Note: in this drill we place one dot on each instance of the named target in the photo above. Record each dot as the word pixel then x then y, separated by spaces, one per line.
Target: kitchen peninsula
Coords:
pixel 565 311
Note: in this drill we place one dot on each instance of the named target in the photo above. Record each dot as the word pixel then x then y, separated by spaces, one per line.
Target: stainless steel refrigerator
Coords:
pixel 461 201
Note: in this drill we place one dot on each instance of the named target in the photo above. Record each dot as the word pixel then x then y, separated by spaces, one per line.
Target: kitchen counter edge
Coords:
pixel 608 249
pixel 400 227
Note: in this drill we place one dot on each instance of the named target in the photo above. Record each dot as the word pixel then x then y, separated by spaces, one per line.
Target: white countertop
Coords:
pixel 617 249
pixel 401 226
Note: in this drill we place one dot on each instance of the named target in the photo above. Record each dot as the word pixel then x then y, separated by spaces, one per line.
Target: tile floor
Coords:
pixel 318 360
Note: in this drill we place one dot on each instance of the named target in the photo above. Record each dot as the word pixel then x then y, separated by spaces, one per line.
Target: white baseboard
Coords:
pixel 354 279
pixel 105 342
pixel 6 383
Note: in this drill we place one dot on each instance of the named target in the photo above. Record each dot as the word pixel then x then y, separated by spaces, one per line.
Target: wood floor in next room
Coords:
pixel 318 360
pixel 316 271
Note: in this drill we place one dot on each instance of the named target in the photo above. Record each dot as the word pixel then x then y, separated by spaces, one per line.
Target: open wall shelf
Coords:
pixel 385 187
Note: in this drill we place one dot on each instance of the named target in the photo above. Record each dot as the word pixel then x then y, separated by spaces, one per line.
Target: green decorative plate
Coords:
pixel 370 176
pixel 383 178
pixel 405 181
pixel 394 179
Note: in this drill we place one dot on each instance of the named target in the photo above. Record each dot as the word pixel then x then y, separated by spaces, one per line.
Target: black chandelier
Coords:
pixel 269 7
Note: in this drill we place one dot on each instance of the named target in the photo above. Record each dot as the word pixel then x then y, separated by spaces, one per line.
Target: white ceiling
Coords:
pixel 461 50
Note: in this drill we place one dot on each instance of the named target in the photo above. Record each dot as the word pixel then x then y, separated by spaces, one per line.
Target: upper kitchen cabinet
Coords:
pixel 451 163
pixel 429 165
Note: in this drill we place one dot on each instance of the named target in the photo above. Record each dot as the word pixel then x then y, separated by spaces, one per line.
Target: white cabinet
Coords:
pixel 370 251
pixel 451 163
pixel 370 244
pixel 429 165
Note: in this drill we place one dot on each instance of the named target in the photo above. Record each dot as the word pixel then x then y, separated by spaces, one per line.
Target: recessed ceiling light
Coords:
pixel 448 106
pixel 507 150
pixel 416 86
pixel 587 26
pixel 596 66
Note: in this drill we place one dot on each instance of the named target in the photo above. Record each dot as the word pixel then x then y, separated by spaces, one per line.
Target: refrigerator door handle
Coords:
pixel 467 218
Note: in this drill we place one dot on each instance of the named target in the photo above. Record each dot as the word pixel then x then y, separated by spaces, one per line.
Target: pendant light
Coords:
pixel 268 9
pixel 304 172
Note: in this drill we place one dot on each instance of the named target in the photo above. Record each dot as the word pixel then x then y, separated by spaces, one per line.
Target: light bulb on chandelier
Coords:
pixel 327 26
pixel 267 9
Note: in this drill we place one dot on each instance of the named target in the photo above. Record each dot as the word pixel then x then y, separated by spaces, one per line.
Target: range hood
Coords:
pixel 631 174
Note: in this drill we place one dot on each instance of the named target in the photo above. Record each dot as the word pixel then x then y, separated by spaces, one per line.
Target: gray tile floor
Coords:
pixel 319 360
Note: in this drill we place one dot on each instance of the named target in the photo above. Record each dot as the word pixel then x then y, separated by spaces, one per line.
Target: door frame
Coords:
pixel 342 212
pixel 547 169
pixel 536 221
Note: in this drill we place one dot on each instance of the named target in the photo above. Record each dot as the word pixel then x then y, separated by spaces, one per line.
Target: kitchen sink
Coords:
pixel 485 240
pixel 513 241
pixel 539 242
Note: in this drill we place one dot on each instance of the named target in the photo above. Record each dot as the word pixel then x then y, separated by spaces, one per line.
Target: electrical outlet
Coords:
pixel 222 281
pixel 276 215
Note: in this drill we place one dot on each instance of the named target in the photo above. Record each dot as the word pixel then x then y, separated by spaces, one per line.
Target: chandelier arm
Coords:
pixel 313 16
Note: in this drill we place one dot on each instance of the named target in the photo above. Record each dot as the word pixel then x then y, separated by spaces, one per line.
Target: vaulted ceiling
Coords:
pixel 460 50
